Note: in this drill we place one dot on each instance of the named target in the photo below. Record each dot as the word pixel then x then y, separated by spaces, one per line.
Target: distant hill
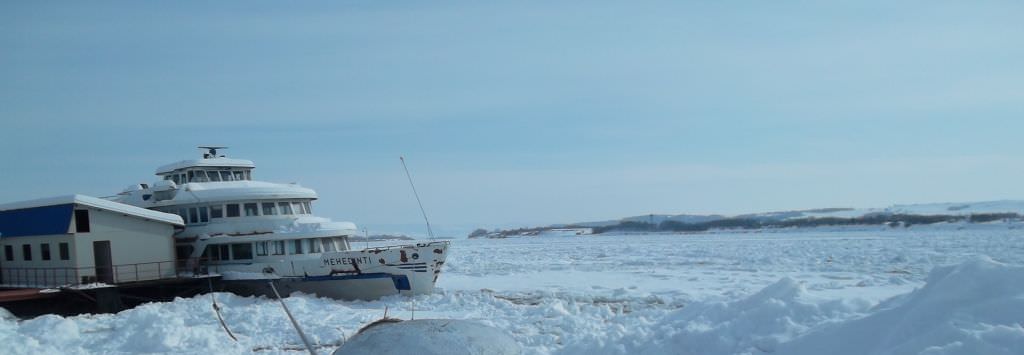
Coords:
pixel 893 216
pixel 928 209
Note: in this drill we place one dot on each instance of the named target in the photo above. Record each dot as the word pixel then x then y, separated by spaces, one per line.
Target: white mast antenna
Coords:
pixel 430 231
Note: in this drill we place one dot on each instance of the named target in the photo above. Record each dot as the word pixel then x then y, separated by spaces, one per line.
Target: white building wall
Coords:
pixel 53 272
pixel 138 246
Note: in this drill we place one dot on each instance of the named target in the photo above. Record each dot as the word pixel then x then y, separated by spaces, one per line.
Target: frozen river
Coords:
pixel 720 293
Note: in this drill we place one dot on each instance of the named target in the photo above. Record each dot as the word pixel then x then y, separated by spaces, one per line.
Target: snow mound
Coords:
pixel 972 308
pixel 976 307
pixel 753 325
pixel 430 337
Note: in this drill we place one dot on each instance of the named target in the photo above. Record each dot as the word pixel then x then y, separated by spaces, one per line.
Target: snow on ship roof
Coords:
pixel 248 189
pixel 97 203
pixel 211 162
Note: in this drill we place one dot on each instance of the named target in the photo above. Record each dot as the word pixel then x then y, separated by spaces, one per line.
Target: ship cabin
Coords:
pixel 207 170
pixel 268 248
pixel 211 168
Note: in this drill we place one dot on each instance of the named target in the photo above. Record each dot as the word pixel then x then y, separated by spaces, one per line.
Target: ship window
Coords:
pixel 286 208
pixel 9 253
pixel 44 249
pixel 261 248
pixel 201 176
pixel 278 247
pixel 203 217
pixel 238 176
pixel 297 207
pixel 314 245
pixel 295 247
pixel 232 210
pixel 248 175
pixel 307 207
pixel 175 179
pixel 251 210
pixel 82 221
pixel 26 252
pixel 224 252
pixel 241 251
pixel 193 215
pixel 328 244
pixel 214 176
pixel 269 209
pixel 191 175
pixel 216 211
pixel 342 243
pixel 225 176
pixel 183 212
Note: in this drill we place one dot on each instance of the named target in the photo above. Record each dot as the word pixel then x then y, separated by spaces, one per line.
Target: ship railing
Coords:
pixel 399 246
pixel 56 277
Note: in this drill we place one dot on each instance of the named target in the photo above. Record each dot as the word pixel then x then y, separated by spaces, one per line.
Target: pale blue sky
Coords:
pixel 526 112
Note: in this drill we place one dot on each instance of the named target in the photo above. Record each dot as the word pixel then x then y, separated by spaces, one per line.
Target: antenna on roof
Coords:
pixel 211 151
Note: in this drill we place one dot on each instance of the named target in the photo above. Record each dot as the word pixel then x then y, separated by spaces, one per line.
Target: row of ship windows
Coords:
pixel 203 214
pixel 244 251
pixel 44 252
pixel 209 175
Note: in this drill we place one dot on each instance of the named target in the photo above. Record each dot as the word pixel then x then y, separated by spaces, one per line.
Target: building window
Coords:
pixel 251 210
pixel 232 210
pixel 241 251
pixel 286 207
pixel 65 254
pixel 82 221
pixel 261 248
pixel 44 250
pixel 278 247
pixel 269 209
pixel 9 253
pixel 26 252
pixel 216 211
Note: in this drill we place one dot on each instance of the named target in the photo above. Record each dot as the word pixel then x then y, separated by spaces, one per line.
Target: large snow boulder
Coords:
pixel 973 308
pixel 430 337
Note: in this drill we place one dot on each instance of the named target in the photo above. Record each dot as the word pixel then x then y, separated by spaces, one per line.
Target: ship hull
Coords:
pixel 346 275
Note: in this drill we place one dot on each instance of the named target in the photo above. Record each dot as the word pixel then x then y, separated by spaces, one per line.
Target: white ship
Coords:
pixel 252 232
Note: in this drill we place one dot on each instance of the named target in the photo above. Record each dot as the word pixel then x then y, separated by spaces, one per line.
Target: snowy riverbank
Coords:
pixel 872 292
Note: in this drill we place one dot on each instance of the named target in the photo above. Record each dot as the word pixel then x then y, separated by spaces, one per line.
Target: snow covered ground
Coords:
pixel 884 291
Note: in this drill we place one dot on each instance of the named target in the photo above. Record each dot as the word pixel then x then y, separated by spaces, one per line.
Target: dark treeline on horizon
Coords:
pixel 893 220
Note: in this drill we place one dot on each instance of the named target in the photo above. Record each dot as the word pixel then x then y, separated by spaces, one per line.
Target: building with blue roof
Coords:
pixel 76 239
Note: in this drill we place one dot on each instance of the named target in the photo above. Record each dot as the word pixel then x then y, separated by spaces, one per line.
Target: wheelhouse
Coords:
pixel 214 174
